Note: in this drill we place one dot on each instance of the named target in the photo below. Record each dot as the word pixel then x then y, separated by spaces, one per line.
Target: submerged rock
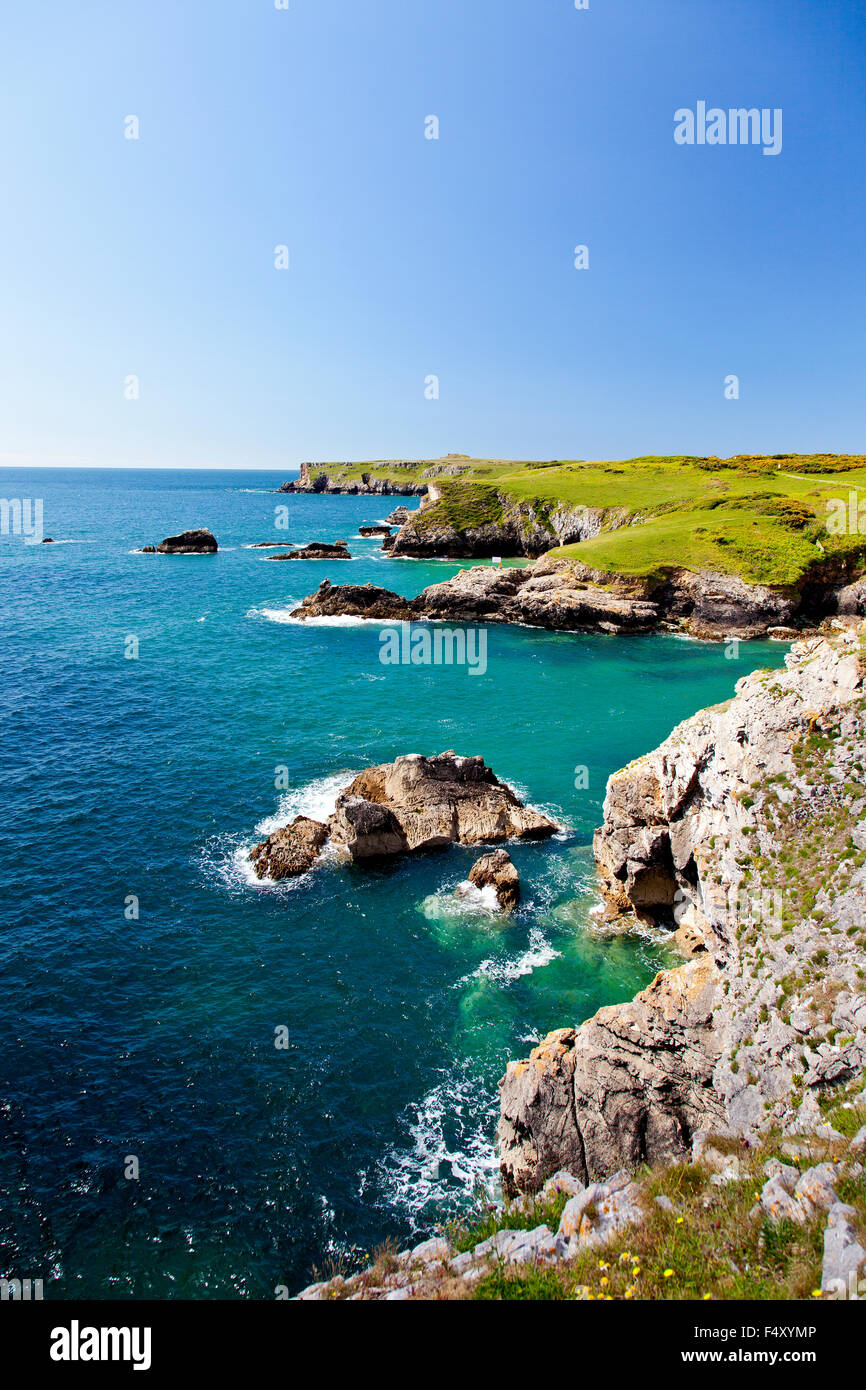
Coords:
pixel 290 851
pixel 196 542
pixel 497 871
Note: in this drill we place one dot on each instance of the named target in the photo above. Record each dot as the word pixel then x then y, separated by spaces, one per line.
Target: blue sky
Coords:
pixel 412 257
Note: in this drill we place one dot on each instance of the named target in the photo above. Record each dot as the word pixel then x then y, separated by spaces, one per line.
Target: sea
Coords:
pixel 216 1087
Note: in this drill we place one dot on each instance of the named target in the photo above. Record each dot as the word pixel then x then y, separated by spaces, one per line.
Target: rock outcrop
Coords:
pixel 355 601
pixel 197 542
pixel 498 872
pixel 291 850
pixel 631 1085
pixel 405 807
pixel 398 516
pixel 315 550
pixel 418 803
pixel 517 528
pixel 700 836
pixel 565 596
pixel 374 530
pixel 492 595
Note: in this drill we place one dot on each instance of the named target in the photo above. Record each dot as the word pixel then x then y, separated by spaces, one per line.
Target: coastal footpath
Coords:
pixel 706 1138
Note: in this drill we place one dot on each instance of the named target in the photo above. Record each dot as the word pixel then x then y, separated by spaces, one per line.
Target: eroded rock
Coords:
pixel 498 872
pixel 196 542
pixel 291 850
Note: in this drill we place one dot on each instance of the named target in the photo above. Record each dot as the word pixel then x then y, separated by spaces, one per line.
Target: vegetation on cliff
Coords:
pixel 766 519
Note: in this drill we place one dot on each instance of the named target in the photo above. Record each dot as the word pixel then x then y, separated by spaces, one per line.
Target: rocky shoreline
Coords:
pixel 367 485
pixel 743 833
pixel 744 836
pixel 562 595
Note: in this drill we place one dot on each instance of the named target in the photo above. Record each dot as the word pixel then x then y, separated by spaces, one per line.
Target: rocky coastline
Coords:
pixel 562 595
pixel 742 834
pixel 367 484
pixel 729 1094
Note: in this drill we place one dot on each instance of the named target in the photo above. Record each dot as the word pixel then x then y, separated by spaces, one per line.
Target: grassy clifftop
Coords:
pixel 768 519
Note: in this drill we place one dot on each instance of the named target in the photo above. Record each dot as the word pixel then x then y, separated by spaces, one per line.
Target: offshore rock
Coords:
pixel 316 550
pixel 290 851
pixel 418 803
pixel 498 872
pixel 404 807
pixel 196 542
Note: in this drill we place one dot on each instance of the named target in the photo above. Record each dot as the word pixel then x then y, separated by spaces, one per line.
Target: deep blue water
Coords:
pixel 152 777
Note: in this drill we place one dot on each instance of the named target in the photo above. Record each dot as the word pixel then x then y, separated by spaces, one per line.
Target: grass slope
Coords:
pixel 760 517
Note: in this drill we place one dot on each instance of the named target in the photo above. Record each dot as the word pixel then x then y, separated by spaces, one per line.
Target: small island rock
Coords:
pixel 497 871
pixel 196 542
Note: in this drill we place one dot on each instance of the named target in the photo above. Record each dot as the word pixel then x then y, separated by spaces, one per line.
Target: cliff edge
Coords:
pixel 745 834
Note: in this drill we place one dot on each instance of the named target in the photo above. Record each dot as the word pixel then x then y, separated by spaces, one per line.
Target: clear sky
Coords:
pixel 411 257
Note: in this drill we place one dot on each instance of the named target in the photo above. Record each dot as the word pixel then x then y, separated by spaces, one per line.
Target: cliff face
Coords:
pixel 519 529
pixel 744 834
pixel 320 481
pixel 571 597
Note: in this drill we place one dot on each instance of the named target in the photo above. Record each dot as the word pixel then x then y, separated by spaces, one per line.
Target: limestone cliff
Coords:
pixel 365 484
pixel 744 833
pixel 570 597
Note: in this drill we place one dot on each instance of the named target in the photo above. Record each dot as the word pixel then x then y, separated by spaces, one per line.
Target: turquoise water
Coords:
pixel 152 777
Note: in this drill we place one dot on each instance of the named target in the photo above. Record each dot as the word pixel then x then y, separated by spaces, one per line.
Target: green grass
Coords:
pixel 708 1246
pixel 761 517
pixel 463 505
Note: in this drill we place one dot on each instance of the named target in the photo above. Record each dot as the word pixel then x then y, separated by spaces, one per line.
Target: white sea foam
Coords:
pixel 449 1153
pixel 229 856
pixel 505 969
pixel 274 615
pixel 316 799
pixel 284 615
pixel 466 901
